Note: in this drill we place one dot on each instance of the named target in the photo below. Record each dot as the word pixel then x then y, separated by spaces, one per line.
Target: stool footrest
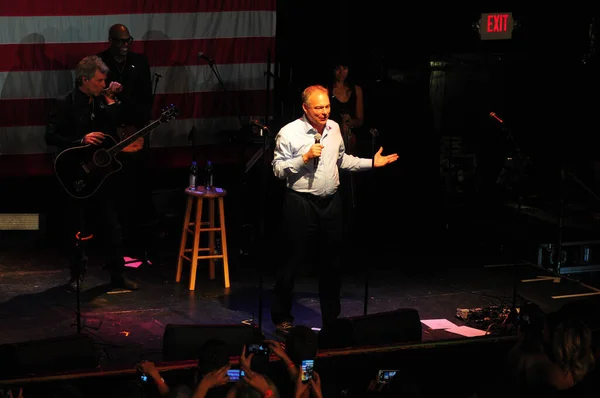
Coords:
pixel 191 231
pixel 191 223
pixel 214 256
pixel 200 249
pixel 210 229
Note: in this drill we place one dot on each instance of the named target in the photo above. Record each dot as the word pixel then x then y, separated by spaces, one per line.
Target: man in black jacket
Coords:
pixel 87 116
pixel 132 70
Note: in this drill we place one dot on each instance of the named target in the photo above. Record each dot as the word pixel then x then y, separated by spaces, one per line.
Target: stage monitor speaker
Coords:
pixel 398 326
pixel 59 354
pixel 183 342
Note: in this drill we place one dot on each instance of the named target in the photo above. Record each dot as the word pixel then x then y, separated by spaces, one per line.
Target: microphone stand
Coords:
pixel 265 133
pixel 374 134
pixel 78 306
pixel 157 77
pixel 347 143
pixel 264 173
pixel 215 71
pixel 519 158
pixel 79 321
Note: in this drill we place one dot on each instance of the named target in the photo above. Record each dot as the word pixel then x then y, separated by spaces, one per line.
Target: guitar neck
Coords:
pixel 125 143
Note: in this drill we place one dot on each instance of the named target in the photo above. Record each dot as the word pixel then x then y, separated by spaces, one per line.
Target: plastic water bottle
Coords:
pixel 193 175
pixel 208 175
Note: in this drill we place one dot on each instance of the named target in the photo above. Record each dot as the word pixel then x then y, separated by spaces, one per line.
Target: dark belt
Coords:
pixel 314 198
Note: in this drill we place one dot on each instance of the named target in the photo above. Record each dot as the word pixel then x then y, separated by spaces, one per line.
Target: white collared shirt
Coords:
pixel 295 139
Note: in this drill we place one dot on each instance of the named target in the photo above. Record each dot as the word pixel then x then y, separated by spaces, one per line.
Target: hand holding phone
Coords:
pixel 384 376
pixel 307 368
pixel 235 375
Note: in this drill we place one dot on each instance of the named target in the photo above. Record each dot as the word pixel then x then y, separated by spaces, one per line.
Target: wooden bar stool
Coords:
pixel 197 197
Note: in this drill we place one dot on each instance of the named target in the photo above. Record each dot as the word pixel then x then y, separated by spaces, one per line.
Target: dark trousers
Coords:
pixel 134 185
pixel 95 223
pixel 313 228
pixel 134 204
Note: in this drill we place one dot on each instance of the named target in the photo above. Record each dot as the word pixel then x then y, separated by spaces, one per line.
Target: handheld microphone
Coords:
pixel 317 141
pixel 110 94
pixel 205 57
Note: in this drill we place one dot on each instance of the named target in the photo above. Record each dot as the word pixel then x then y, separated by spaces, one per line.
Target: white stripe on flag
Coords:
pixel 176 79
pixel 87 29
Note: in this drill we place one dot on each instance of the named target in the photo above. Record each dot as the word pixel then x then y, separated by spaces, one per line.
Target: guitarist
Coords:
pixel 85 116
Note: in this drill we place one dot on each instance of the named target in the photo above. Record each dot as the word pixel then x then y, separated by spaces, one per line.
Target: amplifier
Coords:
pixel 575 257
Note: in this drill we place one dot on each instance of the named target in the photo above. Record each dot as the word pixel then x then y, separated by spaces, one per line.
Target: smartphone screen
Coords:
pixel 235 375
pixel 307 369
pixel 384 376
pixel 258 349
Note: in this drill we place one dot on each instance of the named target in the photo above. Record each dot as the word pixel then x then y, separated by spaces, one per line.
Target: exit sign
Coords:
pixel 496 26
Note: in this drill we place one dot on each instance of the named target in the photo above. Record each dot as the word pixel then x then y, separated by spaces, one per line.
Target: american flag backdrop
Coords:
pixel 41 42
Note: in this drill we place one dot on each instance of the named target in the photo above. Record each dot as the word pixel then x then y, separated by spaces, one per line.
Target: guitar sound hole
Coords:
pixel 101 158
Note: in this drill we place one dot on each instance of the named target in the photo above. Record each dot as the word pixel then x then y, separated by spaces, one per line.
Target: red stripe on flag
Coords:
pixel 180 157
pixel 213 104
pixel 34 111
pixel 57 56
pixel 38 164
pixel 26 8
pixel 41 164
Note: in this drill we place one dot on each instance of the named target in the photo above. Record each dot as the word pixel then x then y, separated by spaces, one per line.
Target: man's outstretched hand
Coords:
pixel 380 160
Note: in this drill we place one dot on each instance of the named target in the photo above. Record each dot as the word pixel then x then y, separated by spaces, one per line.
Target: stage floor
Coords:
pixel 128 326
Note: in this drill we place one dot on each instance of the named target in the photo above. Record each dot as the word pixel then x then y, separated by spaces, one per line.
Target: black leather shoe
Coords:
pixel 123 282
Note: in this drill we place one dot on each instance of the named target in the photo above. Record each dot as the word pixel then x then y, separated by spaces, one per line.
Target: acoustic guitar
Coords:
pixel 83 169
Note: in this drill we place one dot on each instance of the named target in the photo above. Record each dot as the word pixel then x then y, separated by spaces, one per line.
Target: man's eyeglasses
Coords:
pixel 122 41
